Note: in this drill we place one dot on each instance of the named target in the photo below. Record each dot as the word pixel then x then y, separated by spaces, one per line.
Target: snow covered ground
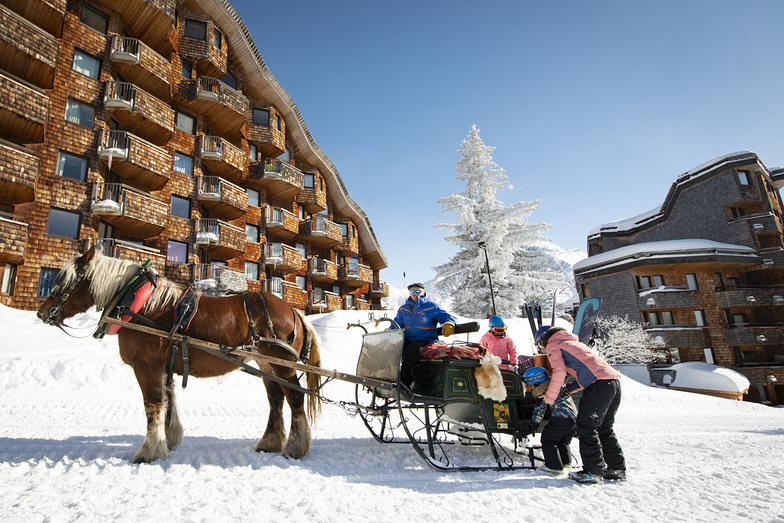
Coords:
pixel 71 419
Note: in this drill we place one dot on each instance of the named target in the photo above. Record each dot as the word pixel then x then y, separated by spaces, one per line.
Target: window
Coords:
pixel 216 41
pixel 230 80
pixel 644 282
pixel 254 153
pixel 309 180
pixel 186 122
pixel 749 356
pixel 743 177
pixel 349 301
pixel 177 252
pixel 691 281
pixel 187 68
pixel 303 214
pixel 699 316
pixel 9 277
pixel 344 229
pixel 710 357
pixel 86 64
pixel 94 18
pixel 286 156
pixel 739 320
pixel 46 281
pixel 63 223
pixel 180 206
pixel 321 184
pixel 302 248
pixel 719 280
pixel 666 317
pixel 252 233
pixel 260 117
pixel 70 166
pixel 183 164
pixel 251 271
pixel 733 283
pixel 196 29
pixel 253 197
pixel 79 113
pixel 301 283
pixel 336 289
pixel 586 290
pixel 277 122
pixel 653 318
pixel 658 281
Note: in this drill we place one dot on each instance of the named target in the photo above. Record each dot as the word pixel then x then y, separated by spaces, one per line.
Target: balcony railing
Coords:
pixel 283 258
pixel 281 181
pixel 223 240
pixel 139 64
pixel 321 232
pixel 222 158
pixel 281 223
pixel 322 271
pixel 139 162
pixel 222 197
pixel 353 275
pixel 129 210
pixel 139 112
pixel 26 51
pixel 379 289
pixel 223 108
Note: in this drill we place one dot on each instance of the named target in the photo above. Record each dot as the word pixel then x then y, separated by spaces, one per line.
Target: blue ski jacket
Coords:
pixel 562 408
pixel 420 319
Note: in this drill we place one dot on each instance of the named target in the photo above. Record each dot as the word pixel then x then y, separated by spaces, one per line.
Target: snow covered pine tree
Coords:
pixel 518 268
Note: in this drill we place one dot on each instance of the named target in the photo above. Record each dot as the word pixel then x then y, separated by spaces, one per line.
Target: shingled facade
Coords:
pixel 154 129
pixel 704 272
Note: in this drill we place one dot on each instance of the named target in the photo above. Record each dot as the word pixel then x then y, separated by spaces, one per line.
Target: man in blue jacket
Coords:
pixel 419 317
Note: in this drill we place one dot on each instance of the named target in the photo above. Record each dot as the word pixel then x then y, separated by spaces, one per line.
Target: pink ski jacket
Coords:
pixel 567 354
pixel 504 347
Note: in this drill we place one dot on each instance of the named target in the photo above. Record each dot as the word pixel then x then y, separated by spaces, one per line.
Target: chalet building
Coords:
pixel 154 129
pixel 704 272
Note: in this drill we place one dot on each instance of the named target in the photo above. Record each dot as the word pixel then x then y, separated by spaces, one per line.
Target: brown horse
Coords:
pixel 94 279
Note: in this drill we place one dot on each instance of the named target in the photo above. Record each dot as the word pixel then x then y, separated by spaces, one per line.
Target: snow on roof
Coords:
pixel 705 376
pixel 663 248
pixel 640 219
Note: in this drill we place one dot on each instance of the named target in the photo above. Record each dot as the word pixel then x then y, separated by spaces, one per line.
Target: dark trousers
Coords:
pixel 599 446
pixel 556 436
pixel 410 360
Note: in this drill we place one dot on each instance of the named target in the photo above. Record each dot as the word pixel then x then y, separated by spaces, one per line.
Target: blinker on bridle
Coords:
pixel 55 311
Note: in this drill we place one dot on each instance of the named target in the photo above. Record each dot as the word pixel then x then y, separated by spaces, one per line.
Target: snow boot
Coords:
pixel 586 477
pixel 614 475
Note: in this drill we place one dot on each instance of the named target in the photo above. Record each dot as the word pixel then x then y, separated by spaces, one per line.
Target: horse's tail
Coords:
pixel 311 347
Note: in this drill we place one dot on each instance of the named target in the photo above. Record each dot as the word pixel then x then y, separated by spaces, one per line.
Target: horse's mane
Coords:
pixel 109 275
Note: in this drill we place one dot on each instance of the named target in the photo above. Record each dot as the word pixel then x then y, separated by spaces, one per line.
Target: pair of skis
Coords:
pixel 583 322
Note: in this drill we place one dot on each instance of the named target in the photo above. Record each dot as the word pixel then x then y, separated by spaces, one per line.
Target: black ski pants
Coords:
pixel 556 437
pixel 410 360
pixel 599 446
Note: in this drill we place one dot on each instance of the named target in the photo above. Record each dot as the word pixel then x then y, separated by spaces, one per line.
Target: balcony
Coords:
pixel 27 51
pixel 152 21
pixel 224 109
pixel 208 59
pixel 317 301
pixel 754 334
pixel 354 275
pixel 139 112
pixel 221 197
pixel 322 271
pixel 294 295
pixel 219 278
pixel 320 232
pixel 18 174
pixel 46 14
pixel 139 64
pixel 281 224
pixel 139 254
pixel 281 181
pixel 222 158
pixel 270 141
pixel 129 210
pixel 669 298
pixel 313 199
pixel 283 258
pixel 13 230
pixel 222 240
pixel 749 296
pixel 379 289
pixel 679 335
pixel 139 162
pixel 23 110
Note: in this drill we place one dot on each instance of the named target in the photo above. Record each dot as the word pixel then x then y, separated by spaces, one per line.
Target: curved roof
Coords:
pixel 705 376
pixel 260 83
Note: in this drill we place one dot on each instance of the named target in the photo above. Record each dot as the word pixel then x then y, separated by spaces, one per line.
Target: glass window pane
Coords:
pixel 309 180
pixel 229 80
pixel 260 117
pixel 252 233
pixel 46 282
pixel 183 164
pixel 180 207
pixel 277 122
pixel 95 19
pixel 187 68
pixel 252 270
pixel 196 29
pixel 9 276
pixel 253 197
pixel 86 64
pixel 70 166
pixel 177 252
pixel 216 41
pixel 79 114
pixel 63 223
pixel 186 122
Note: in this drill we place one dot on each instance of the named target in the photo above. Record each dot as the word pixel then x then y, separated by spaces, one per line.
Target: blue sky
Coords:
pixel 594 108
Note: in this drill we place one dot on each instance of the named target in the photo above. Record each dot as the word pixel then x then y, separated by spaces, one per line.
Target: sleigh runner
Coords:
pixel 446 418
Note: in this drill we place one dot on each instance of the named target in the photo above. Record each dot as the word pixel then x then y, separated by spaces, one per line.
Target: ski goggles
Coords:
pixel 499 330
pixel 415 291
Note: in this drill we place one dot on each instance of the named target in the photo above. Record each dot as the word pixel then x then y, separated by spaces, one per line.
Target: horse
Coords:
pixel 94 279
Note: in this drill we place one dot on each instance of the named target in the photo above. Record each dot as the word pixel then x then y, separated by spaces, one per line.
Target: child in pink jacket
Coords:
pixel 498 343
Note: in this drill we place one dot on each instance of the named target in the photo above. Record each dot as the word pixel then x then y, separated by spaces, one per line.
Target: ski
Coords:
pixel 528 310
pixel 586 317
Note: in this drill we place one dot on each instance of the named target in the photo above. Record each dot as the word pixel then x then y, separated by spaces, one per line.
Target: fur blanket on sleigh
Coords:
pixel 489 382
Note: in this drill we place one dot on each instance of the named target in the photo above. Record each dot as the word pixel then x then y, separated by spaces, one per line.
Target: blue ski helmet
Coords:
pixel 540 334
pixel 497 322
pixel 535 376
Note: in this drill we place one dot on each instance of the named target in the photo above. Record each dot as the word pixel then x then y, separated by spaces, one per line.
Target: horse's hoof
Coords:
pixel 265 445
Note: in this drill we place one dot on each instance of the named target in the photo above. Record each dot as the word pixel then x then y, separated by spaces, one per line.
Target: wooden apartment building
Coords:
pixel 154 129
pixel 704 272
